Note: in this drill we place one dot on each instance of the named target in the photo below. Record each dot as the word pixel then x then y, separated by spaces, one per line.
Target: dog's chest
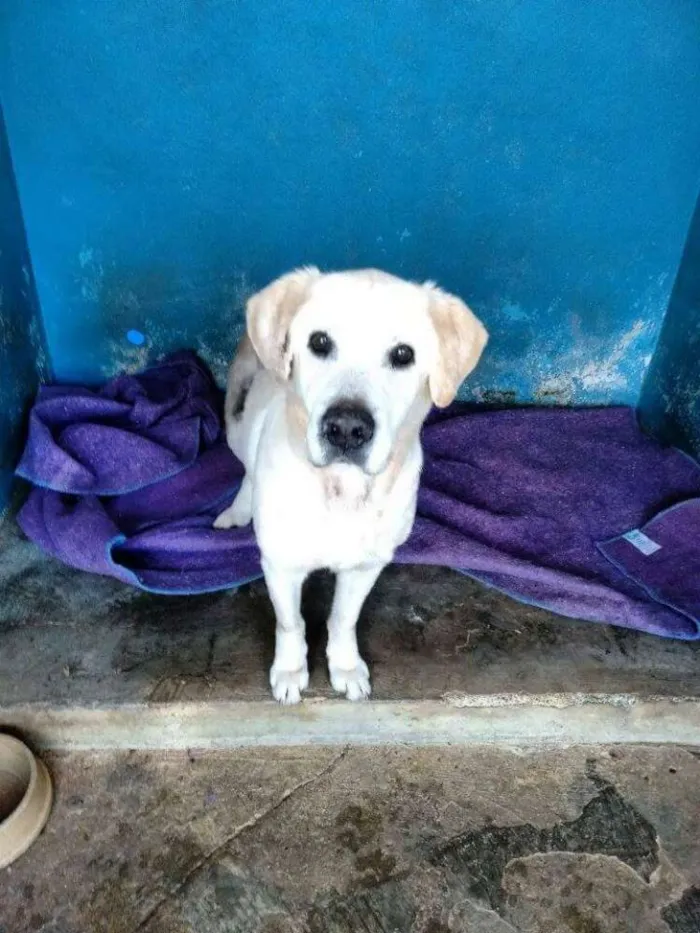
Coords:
pixel 345 527
pixel 342 538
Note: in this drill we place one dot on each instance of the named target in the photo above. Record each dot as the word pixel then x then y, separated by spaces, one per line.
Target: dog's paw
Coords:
pixel 287 686
pixel 224 520
pixel 234 516
pixel 354 683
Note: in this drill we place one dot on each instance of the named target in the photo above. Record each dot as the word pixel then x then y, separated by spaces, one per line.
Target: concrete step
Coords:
pixel 88 663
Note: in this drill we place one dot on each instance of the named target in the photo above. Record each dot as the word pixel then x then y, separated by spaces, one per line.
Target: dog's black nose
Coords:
pixel 347 427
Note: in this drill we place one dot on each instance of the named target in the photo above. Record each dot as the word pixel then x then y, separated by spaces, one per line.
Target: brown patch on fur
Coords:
pixel 405 437
pixel 461 341
pixel 297 420
pixel 270 312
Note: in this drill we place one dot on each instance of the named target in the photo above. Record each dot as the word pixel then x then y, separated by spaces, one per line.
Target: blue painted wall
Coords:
pixel 540 157
pixel 670 403
pixel 22 354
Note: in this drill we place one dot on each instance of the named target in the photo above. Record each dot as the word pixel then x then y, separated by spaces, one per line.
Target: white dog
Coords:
pixel 325 400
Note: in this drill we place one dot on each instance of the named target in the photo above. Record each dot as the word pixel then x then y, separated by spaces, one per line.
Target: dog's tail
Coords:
pixel 243 369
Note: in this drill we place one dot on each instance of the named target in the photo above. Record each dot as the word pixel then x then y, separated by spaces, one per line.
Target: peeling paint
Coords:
pixel 171 314
pixel 601 373
pixel 91 275
pixel 219 360
pixel 85 256
pixel 593 370
pixel 556 356
pixel 514 312
pixel 126 358
pixel 38 345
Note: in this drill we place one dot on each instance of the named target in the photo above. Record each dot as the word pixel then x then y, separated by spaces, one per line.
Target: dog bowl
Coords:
pixel 25 798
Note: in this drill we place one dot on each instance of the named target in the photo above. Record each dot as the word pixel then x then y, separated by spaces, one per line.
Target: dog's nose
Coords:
pixel 347 427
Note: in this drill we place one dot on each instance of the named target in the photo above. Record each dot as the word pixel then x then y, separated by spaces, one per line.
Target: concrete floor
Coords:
pixel 369 840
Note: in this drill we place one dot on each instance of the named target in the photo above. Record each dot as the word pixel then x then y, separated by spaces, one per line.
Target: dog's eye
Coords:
pixel 320 344
pixel 401 356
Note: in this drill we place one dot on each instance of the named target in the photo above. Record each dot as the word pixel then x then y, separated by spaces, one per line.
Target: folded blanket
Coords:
pixel 574 510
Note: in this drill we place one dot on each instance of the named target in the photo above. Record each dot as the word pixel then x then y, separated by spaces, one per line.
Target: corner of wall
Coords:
pixel 669 405
pixel 24 360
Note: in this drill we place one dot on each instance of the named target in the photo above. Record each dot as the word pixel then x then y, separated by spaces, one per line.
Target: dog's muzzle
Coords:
pixel 346 430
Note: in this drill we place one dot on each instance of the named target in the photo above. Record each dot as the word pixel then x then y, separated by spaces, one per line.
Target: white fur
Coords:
pixel 307 515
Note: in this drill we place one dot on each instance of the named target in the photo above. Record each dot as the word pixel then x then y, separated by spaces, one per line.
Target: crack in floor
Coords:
pixel 254 821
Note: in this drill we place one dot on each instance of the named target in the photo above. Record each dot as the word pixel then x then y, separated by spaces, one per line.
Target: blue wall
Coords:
pixel 22 354
pixel 670 403
pixel 541 158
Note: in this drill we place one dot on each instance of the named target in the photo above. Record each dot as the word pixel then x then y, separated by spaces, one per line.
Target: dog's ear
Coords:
pixel 269 314
pixel 461 340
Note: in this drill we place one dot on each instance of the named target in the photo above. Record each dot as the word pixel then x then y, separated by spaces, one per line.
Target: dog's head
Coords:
pixel 365 353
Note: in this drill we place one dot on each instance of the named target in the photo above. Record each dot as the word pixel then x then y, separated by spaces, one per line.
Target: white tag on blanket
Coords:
pixel 642 542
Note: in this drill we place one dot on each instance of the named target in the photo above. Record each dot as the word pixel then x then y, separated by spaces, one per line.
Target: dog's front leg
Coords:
pixel 347 670
pixel 289 674
pixel 240 512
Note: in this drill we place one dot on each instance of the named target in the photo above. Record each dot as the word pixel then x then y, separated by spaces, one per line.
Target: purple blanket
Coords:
pixel 573 510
